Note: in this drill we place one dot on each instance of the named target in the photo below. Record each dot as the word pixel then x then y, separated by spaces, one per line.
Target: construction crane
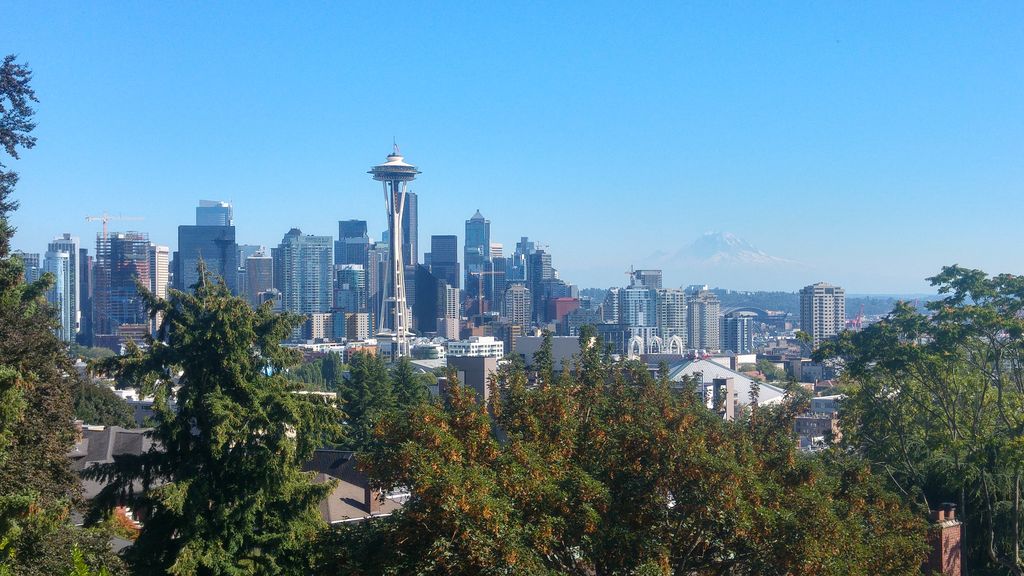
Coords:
pixel 107 218
pixel 480 286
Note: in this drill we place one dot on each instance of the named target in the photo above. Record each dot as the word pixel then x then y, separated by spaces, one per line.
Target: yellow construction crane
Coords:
pixel 107 218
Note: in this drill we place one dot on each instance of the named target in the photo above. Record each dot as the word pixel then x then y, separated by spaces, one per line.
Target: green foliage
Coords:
pixel 96 404
pixel 609 471
pixel 772 372
pixel 408 386
pixel 323 374
pixel 225 494
pixel 936 403
pixel 88 353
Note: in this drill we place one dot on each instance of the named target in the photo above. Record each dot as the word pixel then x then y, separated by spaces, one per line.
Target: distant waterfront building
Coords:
pixel 307 272
pixel 822 311
pixel 702 324
pixel 738 332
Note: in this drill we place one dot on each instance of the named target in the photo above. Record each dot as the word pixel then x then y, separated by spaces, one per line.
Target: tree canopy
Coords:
pixel 936 404
pixel 223 490
pixel 608 470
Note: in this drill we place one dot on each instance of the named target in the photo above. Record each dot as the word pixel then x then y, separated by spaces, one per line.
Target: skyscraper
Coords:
pixel 307 272
pixel 259 276
pixel 85 290
pixel 159 277
pixel 122 259
pixel 822 311
pixel 672 314
pixel 212 241
pixel 702 323
pixel 476 252
pixel 214 213
pixel 638 306
pixel 353 243
pixel 538 271
pixel 738 332
pixel 350 288
pixel 517 306
pixel 395 175
pixel 647 278
pixel 410 230
pixel 61 294
pixel 444 258
pixel 33 265
pixel 70 245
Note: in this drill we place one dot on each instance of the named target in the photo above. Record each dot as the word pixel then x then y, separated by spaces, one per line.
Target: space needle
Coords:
pixel 393 325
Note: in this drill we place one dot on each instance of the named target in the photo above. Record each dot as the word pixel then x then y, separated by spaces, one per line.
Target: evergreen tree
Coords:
pixel 368 395
pixel 99 405
pixel 408 387
pixel 223 492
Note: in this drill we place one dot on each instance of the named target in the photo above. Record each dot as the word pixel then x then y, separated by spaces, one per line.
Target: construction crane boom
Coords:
pixel 107 218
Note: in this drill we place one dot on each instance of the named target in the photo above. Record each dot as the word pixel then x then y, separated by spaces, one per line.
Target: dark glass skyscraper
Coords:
pixel 444 259
pixel 410 230
pixel 215 246
pixel 353 243
pixel 477 250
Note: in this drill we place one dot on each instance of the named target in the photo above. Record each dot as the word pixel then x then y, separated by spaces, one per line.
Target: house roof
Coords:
pixel 768 394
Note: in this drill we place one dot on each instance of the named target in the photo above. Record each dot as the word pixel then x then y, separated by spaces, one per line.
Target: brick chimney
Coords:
pixel 944 537
pixel 371 499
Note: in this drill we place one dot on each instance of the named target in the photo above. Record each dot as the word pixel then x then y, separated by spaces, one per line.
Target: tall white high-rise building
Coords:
pixel 516 305
pixel 160 277
pixel 702 325
pixel 822 311
pixel 70 244
pixel 62 294
pixel 672 314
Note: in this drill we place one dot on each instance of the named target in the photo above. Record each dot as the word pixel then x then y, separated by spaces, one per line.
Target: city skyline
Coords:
pixel 844 142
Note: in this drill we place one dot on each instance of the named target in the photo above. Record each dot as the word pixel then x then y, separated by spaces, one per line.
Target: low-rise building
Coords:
pixel 477 346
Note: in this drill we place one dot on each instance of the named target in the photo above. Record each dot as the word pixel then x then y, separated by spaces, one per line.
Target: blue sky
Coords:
pixel 869 142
